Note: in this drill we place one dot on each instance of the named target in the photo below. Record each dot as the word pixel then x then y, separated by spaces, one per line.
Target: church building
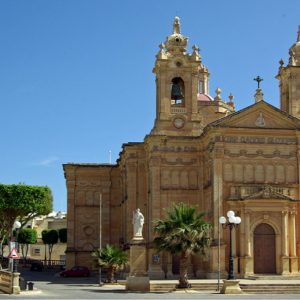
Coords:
pixel 200 152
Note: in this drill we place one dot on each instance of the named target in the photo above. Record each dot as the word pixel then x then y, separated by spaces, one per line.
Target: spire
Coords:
pixel 176 43
pixel 294 52
pixel 176 26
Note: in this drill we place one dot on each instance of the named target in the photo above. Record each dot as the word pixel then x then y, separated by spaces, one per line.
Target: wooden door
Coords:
pixel 175 264
pixel 264 250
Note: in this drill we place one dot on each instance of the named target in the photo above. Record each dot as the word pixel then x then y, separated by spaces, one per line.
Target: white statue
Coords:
pixel 138 222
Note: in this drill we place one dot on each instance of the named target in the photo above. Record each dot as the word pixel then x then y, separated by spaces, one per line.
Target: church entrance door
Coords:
pixel 175 264
pixel 264 250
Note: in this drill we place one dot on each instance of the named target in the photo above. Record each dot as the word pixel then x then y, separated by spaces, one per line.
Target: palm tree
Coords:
pixel 111 257
pixel 183 233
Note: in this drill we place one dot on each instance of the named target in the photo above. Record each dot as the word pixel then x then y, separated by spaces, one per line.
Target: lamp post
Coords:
pixel 233 223
pixel 17 225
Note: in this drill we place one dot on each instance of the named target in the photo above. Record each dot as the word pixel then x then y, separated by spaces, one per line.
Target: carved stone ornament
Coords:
pixel 155 161
pixel 184 149
pixel 245 153
pixel 218 152
pixel 260 121
pixel 178 123
pixel 179 161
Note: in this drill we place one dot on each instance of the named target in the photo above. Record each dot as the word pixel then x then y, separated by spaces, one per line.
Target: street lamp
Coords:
pixel 17 225
pixel 233 223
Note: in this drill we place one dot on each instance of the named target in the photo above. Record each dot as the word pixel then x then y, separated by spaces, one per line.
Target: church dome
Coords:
pixel 204 97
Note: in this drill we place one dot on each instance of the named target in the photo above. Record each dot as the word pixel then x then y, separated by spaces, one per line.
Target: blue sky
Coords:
pixel 76 77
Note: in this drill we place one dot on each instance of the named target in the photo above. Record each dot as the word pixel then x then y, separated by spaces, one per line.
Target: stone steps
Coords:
pixel 271 288
pixel 246 288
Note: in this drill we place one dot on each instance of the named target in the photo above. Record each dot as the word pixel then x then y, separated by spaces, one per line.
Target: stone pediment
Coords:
pixel 259 115
pixel 243 193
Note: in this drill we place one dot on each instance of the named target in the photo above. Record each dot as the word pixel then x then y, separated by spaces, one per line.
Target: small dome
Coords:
pixel 204 97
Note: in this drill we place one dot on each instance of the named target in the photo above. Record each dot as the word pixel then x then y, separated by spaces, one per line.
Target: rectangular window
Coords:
pixel 201 90
pixel 36 251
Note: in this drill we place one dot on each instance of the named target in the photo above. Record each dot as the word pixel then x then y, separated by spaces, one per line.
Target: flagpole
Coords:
pixel 100 233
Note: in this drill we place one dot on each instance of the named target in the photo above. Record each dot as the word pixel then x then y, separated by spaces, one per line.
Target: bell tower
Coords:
pixel 179 77
pixel 289 81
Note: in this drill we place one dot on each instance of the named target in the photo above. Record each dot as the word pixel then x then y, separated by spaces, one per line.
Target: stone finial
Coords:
pixel 196 55
pixel 298 38
pixel 231 103
pixel 195 48
pixel 161 46
pixel 281 62
pixel 218 92
pixel 161 53
pixel 259 96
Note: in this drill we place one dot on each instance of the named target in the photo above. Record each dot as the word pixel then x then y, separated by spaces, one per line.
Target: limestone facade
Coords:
pixel 200 151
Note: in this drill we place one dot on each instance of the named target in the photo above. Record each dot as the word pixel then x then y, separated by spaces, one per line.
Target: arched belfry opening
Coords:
pixel 177 92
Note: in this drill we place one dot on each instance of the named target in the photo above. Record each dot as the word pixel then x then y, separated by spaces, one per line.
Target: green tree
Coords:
pixel 49 237
pixel 111 257
pixel 4 243
pixel 183 232
pixel 23 202
pixel 26 236
pixel 62 235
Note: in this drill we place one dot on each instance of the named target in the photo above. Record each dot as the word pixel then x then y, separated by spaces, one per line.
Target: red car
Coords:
pixel 76 271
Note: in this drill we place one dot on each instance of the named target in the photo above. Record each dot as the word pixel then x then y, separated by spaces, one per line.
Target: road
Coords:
pixel 49 286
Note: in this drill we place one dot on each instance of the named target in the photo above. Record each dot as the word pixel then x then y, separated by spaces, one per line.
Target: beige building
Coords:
pixel 199 150
pixel 37 251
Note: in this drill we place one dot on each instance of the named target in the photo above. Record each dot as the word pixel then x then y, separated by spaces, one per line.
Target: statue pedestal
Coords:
pixel 138 279
pixel 154 269
pixel 231 287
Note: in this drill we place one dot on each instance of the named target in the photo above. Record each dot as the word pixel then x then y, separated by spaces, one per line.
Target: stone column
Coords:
pixel 131 193
pixel 200 271
pixel 235 262
pixel 284 240
pixel 248 258
pixel 71 186
pixel 155 263
pixel 293 255
pixel 169 267
pixel 217 171
pixel 190 267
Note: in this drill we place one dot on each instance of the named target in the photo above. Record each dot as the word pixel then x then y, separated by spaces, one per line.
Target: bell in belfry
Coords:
pixel 176 92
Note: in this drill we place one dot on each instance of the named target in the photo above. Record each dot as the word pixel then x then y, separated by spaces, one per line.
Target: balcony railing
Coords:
pixel 178 110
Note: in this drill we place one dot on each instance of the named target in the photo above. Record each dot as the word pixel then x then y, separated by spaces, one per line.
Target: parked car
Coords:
pixel 37 266
pixel 76 271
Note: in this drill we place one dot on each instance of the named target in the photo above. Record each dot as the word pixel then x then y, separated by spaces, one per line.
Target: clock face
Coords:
pixel 178 123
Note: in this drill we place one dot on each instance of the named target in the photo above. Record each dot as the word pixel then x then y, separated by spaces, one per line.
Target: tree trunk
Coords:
pixel 50 254
pixel 26 252
pixel 183 276
pixel 23 253
pixel 111 274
